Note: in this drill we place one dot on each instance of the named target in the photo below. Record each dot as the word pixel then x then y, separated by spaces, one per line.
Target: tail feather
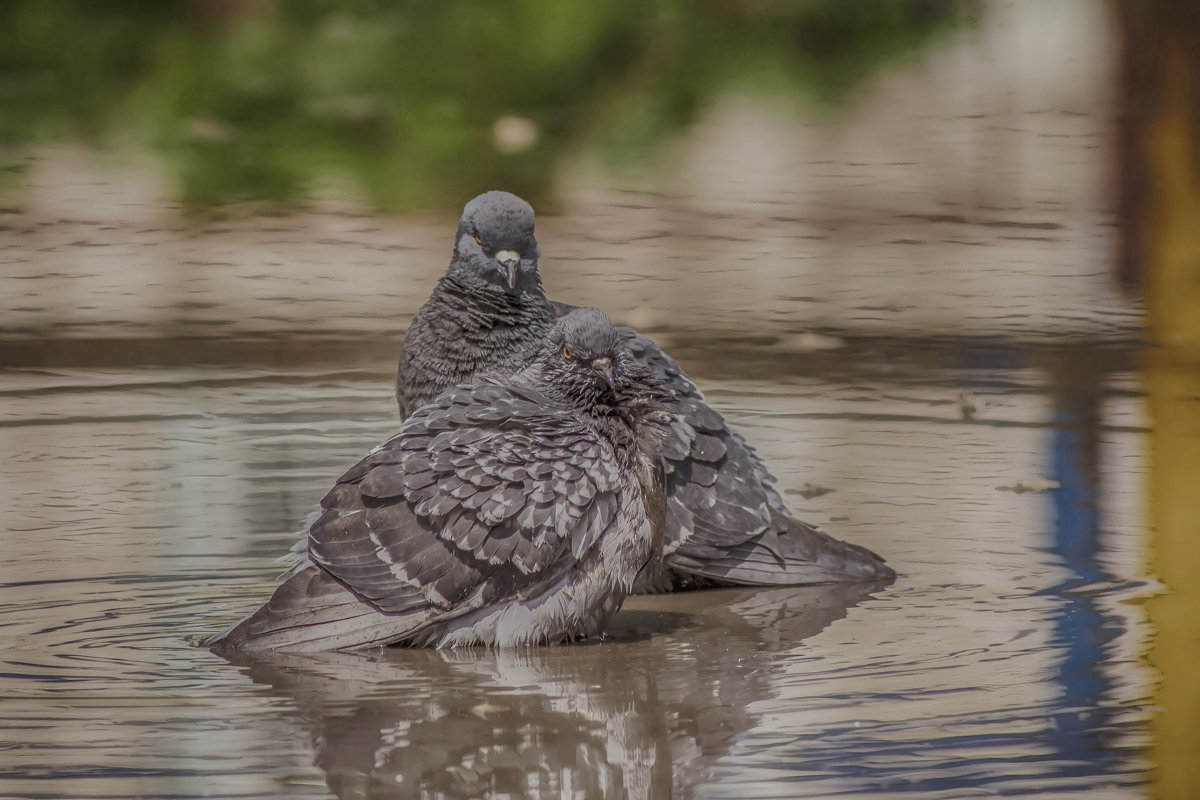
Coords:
pixel 312 612
pixel 792 553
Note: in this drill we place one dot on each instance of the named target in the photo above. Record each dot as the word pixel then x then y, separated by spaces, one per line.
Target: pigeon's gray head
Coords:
pixel 586 361
pixel 495 249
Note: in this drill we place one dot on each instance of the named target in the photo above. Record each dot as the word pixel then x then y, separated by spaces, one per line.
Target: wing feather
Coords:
pixel 483 494
pixel 725 521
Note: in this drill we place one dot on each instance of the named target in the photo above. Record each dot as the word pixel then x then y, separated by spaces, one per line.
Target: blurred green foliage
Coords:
pixel 419 103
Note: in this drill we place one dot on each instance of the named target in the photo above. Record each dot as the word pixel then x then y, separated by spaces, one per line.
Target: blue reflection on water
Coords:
pixel 1082 628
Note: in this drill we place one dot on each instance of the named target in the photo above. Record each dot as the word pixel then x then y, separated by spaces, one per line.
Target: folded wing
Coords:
pixel 486 495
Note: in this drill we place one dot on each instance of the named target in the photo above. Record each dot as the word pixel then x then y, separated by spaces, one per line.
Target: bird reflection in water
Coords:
pixel 642 714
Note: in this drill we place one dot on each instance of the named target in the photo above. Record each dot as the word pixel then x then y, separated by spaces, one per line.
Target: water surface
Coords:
pixel 144 505
pixel 906 305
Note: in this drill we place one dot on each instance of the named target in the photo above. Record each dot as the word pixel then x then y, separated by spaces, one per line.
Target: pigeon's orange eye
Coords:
pixel 477 239
pixel 566 353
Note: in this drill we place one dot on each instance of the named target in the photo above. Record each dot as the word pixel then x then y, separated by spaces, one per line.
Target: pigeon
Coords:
pixel 510 511
pixel 726 523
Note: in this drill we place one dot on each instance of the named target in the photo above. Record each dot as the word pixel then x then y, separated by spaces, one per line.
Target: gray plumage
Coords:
pixel 726 523
pixel 514 510
pixel 488 314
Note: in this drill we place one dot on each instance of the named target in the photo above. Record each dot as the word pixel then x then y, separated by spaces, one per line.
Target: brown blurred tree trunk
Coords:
pixel 1158 161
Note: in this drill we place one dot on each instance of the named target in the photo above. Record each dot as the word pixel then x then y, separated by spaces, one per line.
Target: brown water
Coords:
pixel 143 505
pixel 907 309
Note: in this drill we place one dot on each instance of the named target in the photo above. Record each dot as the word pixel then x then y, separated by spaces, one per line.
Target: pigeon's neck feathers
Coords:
pixel 628 422
pixel 489 305
pixel 462 332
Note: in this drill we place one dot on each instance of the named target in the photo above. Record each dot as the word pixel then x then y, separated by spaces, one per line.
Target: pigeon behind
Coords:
pixel 725 522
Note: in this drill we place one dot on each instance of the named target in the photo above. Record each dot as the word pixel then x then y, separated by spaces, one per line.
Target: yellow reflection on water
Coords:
pixel 1173 386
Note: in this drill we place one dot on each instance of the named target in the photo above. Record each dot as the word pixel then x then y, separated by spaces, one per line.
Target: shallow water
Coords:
pixel 907 306
pixel 144 505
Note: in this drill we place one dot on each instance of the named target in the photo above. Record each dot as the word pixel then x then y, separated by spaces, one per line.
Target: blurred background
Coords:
pixel 939 261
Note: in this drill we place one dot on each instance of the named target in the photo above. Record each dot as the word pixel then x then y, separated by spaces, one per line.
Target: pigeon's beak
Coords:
pixel 603 365
pixel 509 260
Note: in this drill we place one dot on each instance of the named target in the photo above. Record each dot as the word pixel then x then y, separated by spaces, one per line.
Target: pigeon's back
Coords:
pixel 496 516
